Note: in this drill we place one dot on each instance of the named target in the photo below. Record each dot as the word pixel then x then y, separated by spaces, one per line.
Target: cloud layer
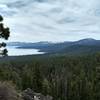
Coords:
pixel 51 20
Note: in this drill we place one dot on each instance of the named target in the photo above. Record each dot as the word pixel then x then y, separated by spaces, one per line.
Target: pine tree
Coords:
pixel 4 34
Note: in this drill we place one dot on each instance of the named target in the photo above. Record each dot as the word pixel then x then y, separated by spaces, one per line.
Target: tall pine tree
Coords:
pixel 4 34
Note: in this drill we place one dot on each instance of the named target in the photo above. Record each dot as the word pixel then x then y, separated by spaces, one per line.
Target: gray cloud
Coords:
pixel 51 20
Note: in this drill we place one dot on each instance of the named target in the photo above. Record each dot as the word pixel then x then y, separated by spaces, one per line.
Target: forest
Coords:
pixel 63 77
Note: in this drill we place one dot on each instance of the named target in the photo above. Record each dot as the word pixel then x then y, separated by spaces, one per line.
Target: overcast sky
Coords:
pixel 51 20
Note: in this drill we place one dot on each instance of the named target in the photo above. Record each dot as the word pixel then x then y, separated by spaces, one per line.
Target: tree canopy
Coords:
pixel 4 34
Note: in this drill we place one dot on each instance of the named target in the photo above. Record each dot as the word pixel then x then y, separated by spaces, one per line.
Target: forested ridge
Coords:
pixel 64 78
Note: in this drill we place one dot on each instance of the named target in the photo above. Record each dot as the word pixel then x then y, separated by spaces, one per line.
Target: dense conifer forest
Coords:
pixel 62 77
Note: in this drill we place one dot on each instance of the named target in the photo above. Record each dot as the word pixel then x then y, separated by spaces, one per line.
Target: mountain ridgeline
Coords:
pixel 60 77
pixel 84 46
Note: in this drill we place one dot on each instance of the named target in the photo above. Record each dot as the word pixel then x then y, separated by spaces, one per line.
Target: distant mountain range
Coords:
pixel 84 46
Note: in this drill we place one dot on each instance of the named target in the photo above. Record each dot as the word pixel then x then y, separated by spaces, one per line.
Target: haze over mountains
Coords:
pixel 83 46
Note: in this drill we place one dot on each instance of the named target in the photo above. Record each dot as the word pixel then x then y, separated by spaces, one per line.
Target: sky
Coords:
pixel 51 20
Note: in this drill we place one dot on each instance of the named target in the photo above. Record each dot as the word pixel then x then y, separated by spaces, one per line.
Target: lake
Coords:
pixel 14 51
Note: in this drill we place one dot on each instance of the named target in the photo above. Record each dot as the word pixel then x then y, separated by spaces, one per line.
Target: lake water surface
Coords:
pixel 14 51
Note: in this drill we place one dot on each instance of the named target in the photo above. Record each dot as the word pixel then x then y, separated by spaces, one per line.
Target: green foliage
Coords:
pixel 4 33
pixel 64 78
pixel 1 18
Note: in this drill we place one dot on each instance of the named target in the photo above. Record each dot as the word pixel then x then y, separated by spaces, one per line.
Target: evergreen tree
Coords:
pixel 4 33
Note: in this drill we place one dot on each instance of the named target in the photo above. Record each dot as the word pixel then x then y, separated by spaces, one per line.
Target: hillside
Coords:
pixel 83 46
pixel 62 77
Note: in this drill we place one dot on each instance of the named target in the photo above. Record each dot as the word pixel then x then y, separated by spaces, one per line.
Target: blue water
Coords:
pixel 13 51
